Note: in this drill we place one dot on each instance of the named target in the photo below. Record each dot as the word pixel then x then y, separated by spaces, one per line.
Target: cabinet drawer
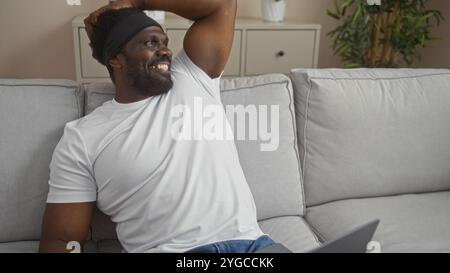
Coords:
pixel 90 68
pixel 176 37
pixel 279 51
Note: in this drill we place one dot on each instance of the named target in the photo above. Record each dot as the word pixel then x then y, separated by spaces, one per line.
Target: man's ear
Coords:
pixel 117 61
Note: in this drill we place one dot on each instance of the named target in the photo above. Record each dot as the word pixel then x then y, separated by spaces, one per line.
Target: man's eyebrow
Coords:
pixel 163 37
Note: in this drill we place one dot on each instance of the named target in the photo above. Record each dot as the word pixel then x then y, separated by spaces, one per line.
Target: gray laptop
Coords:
pixel 354 241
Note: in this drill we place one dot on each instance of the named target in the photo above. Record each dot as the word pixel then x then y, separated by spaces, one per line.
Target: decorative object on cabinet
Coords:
pixel 273 10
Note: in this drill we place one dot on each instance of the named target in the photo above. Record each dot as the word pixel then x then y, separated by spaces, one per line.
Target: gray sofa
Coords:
pixel 354 145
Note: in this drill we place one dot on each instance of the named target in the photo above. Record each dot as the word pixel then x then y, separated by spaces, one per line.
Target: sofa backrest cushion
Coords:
pixel 274 176
pixel 372 132
pixel 32 118
pixel 96 94
pixel 273 171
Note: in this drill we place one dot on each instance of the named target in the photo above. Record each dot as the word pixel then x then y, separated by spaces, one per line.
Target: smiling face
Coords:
pixel 147 62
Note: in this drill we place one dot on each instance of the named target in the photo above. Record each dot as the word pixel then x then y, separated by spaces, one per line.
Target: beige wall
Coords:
pixel 36 35
pixel 437 54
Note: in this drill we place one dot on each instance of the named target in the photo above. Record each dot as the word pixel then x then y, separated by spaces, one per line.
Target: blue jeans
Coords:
pixel 235 246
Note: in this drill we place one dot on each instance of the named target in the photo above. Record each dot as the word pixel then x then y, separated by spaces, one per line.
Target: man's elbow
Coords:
pixel 227 3
pixel 232 3
pixel 228 7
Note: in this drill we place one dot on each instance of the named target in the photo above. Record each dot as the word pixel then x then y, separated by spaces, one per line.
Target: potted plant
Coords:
pixel 273 10
pixel 382 35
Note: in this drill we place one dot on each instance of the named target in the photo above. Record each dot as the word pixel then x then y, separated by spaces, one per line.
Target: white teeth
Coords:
pixel 162 67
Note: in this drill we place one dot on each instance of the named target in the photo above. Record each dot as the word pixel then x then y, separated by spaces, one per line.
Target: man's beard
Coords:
pixel 145 80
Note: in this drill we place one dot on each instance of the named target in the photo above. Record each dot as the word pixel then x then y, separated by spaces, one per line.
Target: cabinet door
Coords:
pixel 279 51
pixel 90 68
pixel 176 37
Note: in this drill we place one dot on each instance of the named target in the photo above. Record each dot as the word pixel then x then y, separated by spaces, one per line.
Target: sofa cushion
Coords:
pixel 291 231
pixel 274 175
pixel 32 118
pixel 96 94
pixel 372 132
pixel 408 223
pixel 33 247
pixel 109 246
pixel 20 247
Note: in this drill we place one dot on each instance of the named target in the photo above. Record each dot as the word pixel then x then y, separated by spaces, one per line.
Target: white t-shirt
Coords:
pixel 164 194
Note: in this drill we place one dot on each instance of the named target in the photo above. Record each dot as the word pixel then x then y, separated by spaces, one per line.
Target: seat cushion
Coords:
pixel 109 246
pixel 372 132
pixel 20 247
pixel 408 223
pixel 32 118
pixel 291 231
pixel 33 247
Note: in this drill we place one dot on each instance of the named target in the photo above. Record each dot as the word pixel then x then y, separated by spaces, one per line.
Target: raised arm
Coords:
pixel 64 223
pixel 208 41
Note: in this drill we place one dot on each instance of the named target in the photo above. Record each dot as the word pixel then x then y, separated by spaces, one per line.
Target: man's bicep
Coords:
pixel 63 223
pixel 209 40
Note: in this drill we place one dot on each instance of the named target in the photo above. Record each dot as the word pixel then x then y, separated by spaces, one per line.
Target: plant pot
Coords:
pixel 273 11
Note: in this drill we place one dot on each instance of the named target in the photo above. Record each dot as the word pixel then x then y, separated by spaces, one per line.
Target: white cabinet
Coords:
pixel 278 50
pixel 258 48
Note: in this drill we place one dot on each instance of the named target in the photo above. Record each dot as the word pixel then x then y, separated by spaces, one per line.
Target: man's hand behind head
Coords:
pixel 91 20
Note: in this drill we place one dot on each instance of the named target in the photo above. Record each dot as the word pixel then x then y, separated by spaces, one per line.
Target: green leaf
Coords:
pixel 332 14
pixel 337 8
pixel 356 15
pixel 346 3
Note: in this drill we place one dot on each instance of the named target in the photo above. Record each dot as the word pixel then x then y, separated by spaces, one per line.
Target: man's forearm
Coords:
pixel 190 9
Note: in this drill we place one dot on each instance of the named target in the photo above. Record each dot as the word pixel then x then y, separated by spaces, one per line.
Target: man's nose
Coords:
pixel 165 51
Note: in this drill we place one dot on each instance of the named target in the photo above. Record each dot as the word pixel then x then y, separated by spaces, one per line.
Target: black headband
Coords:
pixel 123 31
